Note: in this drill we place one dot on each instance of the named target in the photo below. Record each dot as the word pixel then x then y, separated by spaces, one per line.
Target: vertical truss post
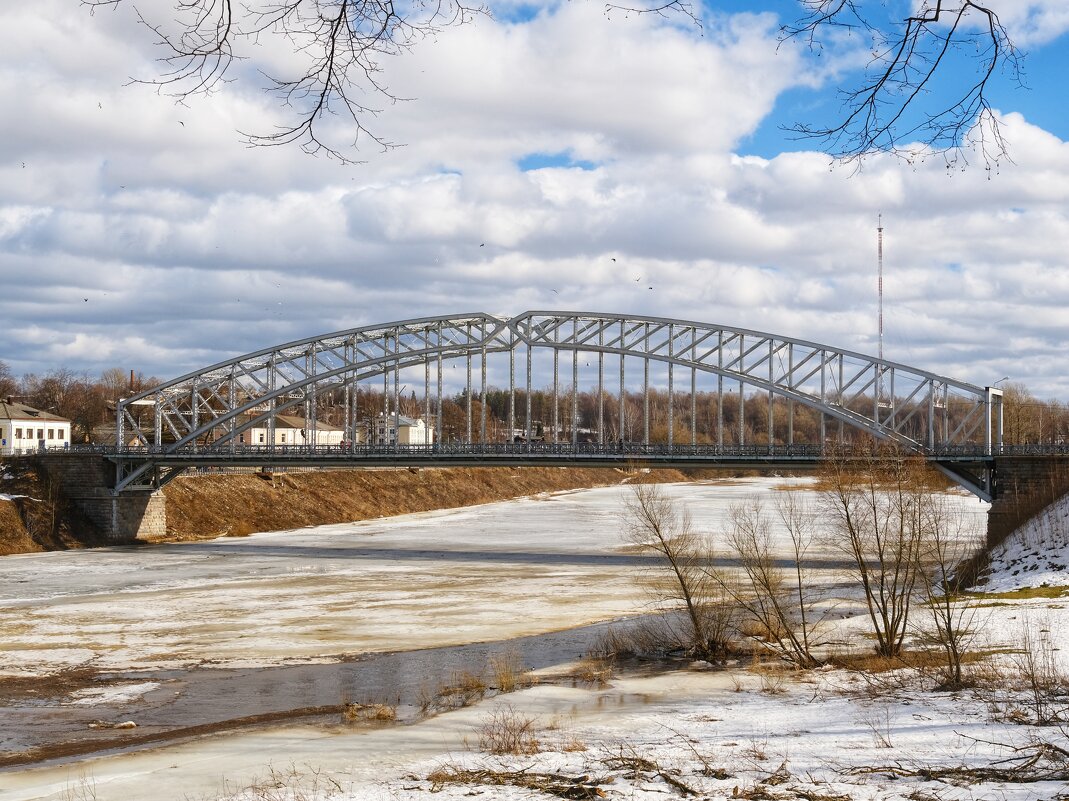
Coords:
pixel 693 387
pixel 556 385
pixel 842 437
pixel 468 395
pixel 120 424
pixel 482 385
pixel 646 388
pixel 823 399
pixel 396 393
pixel 877 380
pixel 157 414
pixel 426 385
pixel 601 386
pixel 575 382
pixel 790 401
pixel 194 398
pixel 231 403
pixel 946 414
pixel 720 390
pixel 272 385
pixel 622 433
pixel 998 423
pixel 771 398
pixel 931 415
pixel 438 423
pixel 355 414
pixel 527 410
pixel 312 421
pixel 347 396
pixel 671 385
pixel 512 386
pixel 892 420
pixel 742 391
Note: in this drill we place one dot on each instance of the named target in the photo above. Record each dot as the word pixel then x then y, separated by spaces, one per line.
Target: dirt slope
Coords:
pixel 200 507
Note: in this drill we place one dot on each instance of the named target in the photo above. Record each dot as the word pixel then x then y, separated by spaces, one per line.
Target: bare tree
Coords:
pixel 8 384
pixel 906 104
pixel 656 525
pixel 874 502
pixel 949 539
pixel 776 591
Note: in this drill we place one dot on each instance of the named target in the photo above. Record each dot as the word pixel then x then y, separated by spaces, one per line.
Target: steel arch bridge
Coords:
pixel 201 418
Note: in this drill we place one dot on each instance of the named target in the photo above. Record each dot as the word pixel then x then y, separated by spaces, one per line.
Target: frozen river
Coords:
pixel 430 579
pixel 169 632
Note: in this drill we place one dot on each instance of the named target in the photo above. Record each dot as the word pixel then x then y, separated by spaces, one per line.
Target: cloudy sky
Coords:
pixel 550 155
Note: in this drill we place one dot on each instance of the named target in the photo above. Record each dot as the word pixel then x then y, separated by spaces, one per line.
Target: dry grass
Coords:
pixel 380 713
pixel 594 671
pixel 465 689
pixel 507 671
pixel 506 731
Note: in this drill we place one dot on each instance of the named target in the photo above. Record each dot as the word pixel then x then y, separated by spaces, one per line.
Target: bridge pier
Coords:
pixel 88 481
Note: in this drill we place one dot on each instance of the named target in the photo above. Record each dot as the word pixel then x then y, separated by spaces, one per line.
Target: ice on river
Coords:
pixel 438 578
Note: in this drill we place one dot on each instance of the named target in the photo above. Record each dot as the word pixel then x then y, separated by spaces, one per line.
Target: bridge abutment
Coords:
pixel 88 481
pixel 1025 486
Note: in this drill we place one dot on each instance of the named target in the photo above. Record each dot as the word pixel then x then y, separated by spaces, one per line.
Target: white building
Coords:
pixel 290 430
pixel 388 429
pixel 24 429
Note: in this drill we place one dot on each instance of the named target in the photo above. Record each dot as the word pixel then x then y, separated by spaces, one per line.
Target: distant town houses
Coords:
pixel 292 430
pixel 24 429
pixel 397 429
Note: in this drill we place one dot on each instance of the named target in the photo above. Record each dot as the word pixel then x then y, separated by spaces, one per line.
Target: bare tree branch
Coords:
pixel 895 110
pixel 341 44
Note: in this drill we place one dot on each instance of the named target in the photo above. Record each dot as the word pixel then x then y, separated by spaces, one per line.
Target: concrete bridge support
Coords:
pixel 1024 487
pixel 88 481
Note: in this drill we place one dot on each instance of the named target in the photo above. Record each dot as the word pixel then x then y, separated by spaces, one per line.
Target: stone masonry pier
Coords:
pixel 88 481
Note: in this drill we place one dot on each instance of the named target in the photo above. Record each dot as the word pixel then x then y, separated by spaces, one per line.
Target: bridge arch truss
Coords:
pixel 209 410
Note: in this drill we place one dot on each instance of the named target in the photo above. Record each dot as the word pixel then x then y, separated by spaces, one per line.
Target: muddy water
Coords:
pixel 43 724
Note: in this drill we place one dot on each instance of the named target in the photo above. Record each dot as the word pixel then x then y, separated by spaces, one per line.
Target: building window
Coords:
pixel 51 433
pixel 283 439
pixel 40 433
pixel 18 433
pixel 261 439
pixel 241 438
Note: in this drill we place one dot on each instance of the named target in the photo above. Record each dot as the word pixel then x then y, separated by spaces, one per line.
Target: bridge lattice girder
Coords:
pixel 919 410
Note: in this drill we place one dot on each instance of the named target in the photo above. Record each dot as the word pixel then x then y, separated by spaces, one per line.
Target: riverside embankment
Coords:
pixel 35 517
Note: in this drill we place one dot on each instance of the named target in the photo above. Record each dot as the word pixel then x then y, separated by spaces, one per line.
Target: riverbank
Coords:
pixel 34 517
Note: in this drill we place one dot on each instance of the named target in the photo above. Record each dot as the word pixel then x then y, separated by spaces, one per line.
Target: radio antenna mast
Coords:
pixel 879 259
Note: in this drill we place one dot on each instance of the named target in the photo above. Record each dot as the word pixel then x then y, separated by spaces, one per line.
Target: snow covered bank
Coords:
pixel 1036 555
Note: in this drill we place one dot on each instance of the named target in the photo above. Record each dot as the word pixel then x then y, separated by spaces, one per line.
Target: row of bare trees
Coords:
pixel 87 401
pixel 878 513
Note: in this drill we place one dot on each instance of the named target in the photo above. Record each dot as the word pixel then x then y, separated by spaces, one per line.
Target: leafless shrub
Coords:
pixel 506 731
pixel 874 500
pixel 881 722
pixel 656 525
pixel 1046 685
pixel 780 607
pixel 289 784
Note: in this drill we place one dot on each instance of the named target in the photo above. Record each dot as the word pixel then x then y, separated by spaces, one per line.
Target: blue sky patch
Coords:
pixel 540 161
